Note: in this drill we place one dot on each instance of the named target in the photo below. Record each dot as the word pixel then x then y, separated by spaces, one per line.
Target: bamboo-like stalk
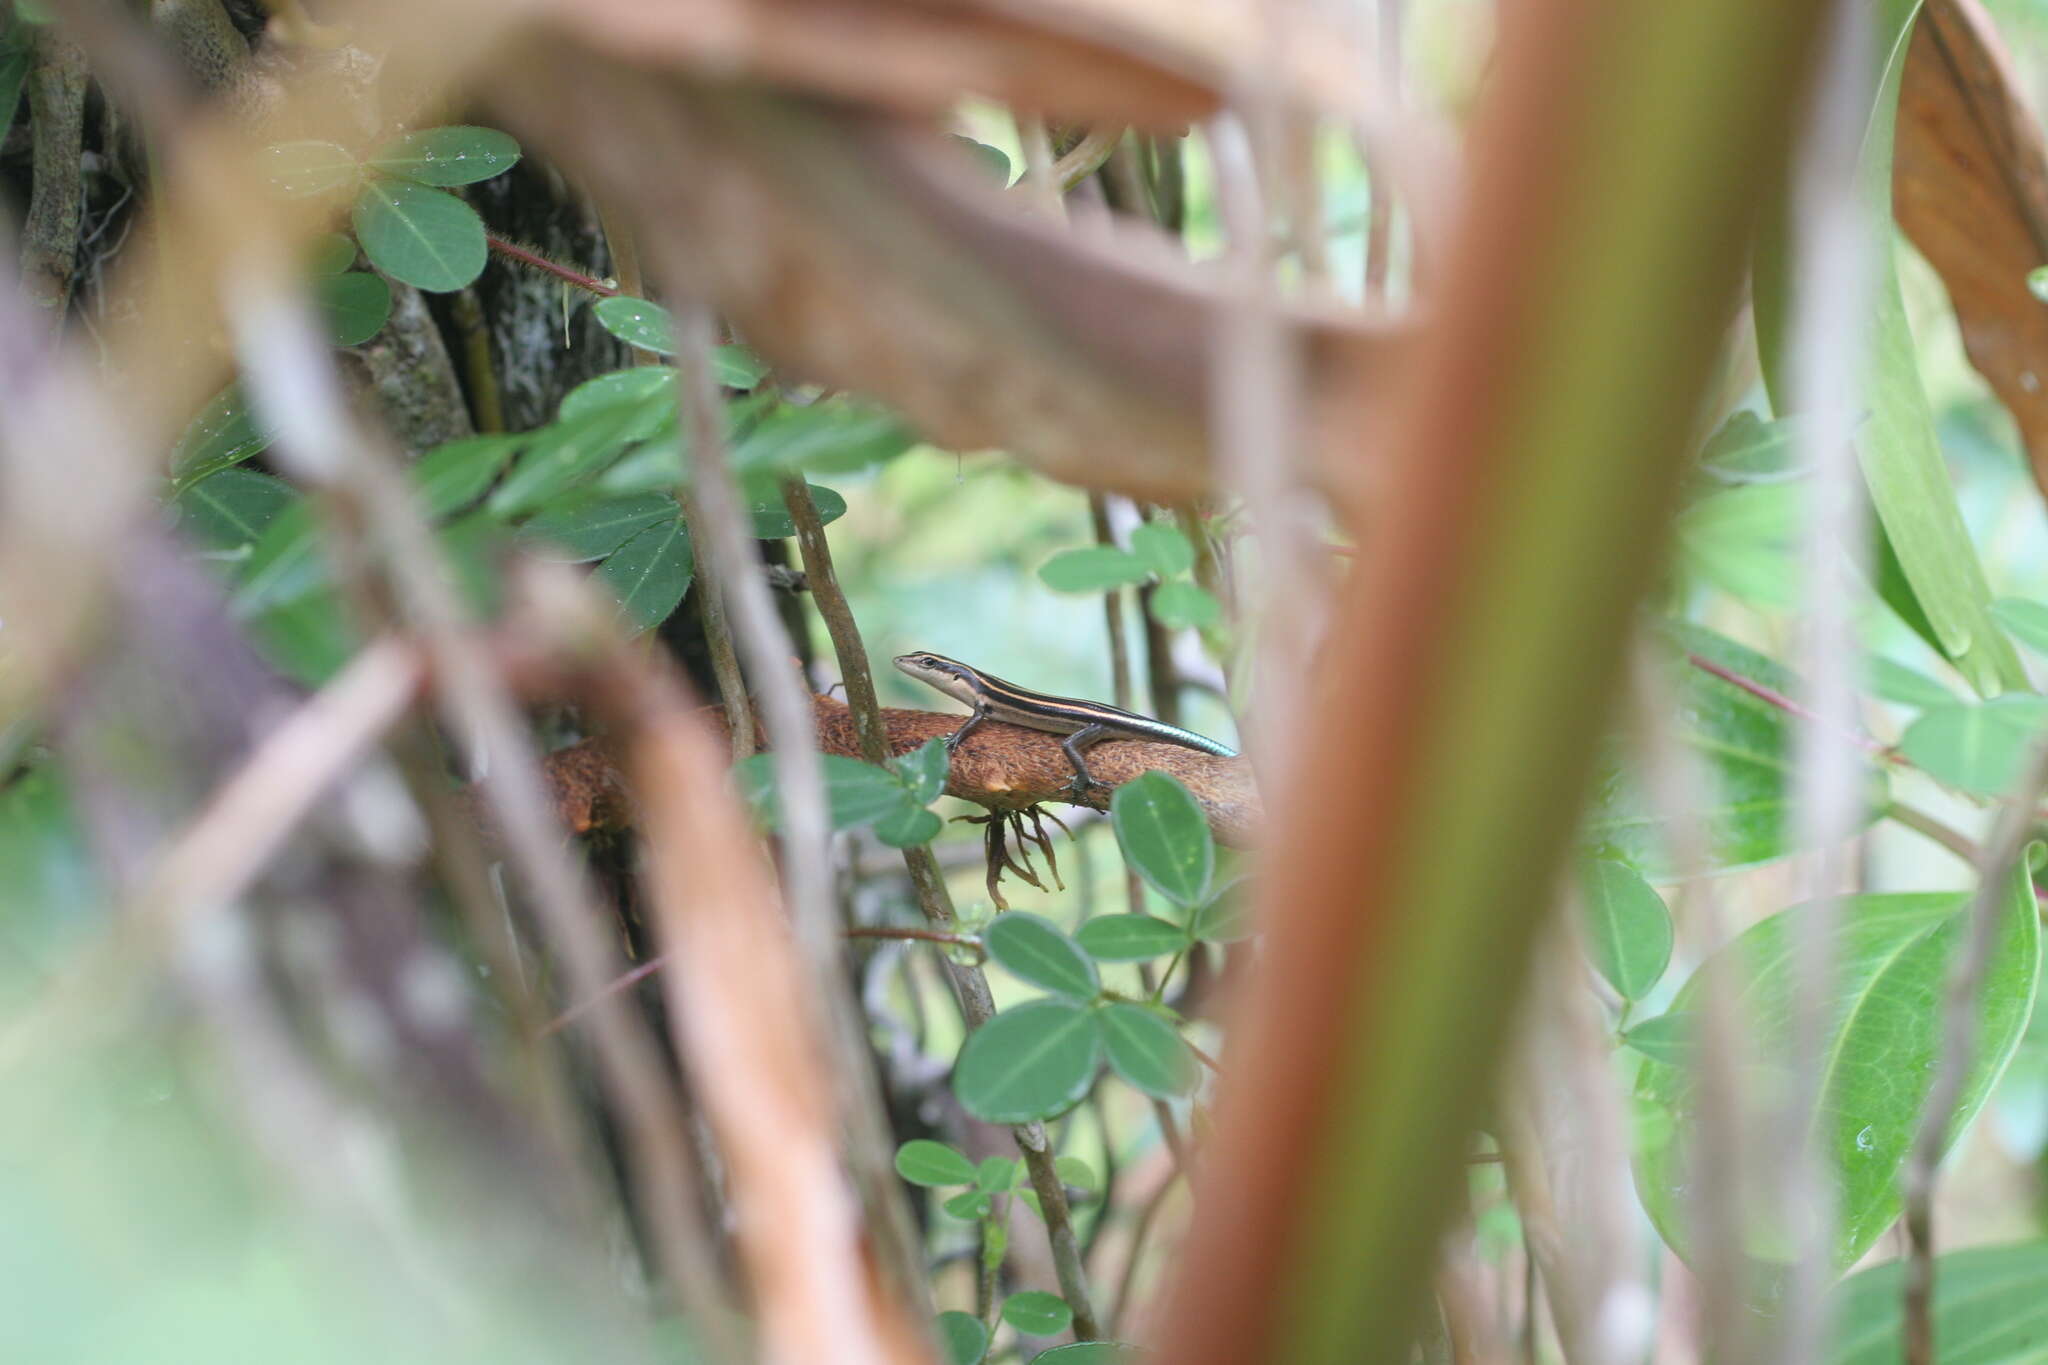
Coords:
pixel 1472 659
pixel 970 984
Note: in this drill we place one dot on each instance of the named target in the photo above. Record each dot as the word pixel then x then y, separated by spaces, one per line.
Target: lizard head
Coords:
pixel 950 676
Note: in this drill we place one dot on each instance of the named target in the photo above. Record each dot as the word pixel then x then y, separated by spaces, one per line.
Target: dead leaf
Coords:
pixel 1970 187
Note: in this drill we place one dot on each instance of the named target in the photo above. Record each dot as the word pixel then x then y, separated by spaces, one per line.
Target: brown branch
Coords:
pixel 49 233
pixel 1001 767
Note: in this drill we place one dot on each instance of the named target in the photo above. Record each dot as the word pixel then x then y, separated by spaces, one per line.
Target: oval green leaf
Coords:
pixel 231 510
pixel 584 529
pixel 1745 745
pixel 226 432
pixel 565 455
pixel 450 477
pixel 855 792
pixel 330 254
pixel 924 769
pixel 2026 619
pixel 1672 1039
pixel 1089 1353
pixel 1036 950
pixel 455 155
pixel 1130 938
pixel 933 1164
pixel 650 573
pixel 425 237
pixel 650 389
pixel 908 826
pixel 823 438
pixel 1895 682
pixel 995 1175
pixel 968 1206
pixel 1164 836
pixel 1183 606
pixel 1032 1061
pixel 637 322
pixel 1893 955
pixel 1092 568
pixel 771 515
pixel 301 169
pixel 1037 1313
pixel 1162 548
pixel 1076 1174
pixel 1146 1050
pixel 964 1337
pixel 1988 1308
pixel 1978 748
pixel 1628 927
pixel 353 306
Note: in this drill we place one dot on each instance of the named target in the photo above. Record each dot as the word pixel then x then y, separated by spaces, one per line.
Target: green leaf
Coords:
pixel 1130 938
pixel 1036 1313
pixel 995 1175
pixel 825 438
pixel 1146 1051
pixel 1183 606
pixel 15 61
pixel 924 769
pixel 1162 548
pixel 1895 682
pixel 2026 619
pixel 771 515
pixel 933 1164
pixel 1745 541
pixel 1978 748
pixel 1744 743
pixel 302 169
pixel 450 477
pixel 560 457
pixel 1748 449
pixel 1221 918
pixel 1628 927
pixel 650 390
pixel 1988 1308
pixel 1032 1061
pixel 455 155
pixel 736 367
pixel 855 792
pixel 285 564
pixel 231 509
pixel 637 322
pixel 964 1337
pixel 425 237
pixel 587 528
pixel 308 638
pixel 1910 488
pixel 51 885
pixel 1164 836
pixel 967 1207
pixel 908 826
pixel 1893 955
pixel 1077 1174
pixel 1092 568
pixel 226 432
pixel 1672 1039
pixel 1036 950
pixel 650 573
pixel 330 254
pixel 1089 1353
pixel 353 306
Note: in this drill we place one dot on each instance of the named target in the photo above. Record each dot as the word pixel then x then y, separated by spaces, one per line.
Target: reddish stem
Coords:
pixel 1773 697
pixel 543 264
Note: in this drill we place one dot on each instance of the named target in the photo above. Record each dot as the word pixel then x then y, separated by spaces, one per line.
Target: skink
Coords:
pixel 1082 722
